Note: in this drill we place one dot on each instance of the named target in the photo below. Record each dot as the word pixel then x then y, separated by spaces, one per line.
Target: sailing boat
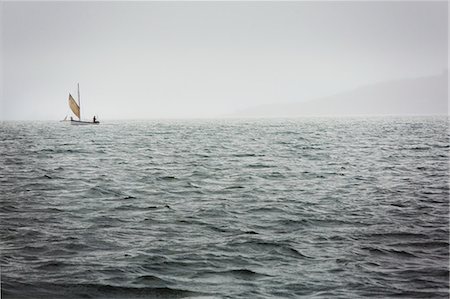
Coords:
pixel 76 109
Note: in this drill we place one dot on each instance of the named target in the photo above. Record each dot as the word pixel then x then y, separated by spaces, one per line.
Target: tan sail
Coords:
pixel 74 106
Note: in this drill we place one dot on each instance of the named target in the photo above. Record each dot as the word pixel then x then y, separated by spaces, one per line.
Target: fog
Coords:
pixel 207 59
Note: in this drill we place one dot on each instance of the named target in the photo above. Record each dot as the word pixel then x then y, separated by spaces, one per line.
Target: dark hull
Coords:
pixel 80 122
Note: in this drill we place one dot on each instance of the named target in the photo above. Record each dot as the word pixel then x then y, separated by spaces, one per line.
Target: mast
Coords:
pixel 79 102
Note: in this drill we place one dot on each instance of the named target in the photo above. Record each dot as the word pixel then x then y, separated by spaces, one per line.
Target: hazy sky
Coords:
pixel 206 59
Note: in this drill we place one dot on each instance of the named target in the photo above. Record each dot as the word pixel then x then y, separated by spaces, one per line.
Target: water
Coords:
pixel 323 208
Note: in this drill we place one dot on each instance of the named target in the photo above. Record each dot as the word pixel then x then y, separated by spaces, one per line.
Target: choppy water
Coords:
pixel 323 208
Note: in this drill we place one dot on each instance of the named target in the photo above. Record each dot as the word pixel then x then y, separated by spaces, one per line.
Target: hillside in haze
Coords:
pixel 418 96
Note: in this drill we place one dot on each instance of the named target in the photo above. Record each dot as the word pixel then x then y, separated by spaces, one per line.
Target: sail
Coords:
pixel 74 106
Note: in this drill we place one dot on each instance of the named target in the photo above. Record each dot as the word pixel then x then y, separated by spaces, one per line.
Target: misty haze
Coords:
pixel 216 59
pixel 224 149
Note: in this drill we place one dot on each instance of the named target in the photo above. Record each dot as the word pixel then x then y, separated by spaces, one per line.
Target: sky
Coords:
pixel 207 59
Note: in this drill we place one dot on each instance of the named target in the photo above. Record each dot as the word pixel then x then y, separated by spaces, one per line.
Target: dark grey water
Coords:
pixel 323 208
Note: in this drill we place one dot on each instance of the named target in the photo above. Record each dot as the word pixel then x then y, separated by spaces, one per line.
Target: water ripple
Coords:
pixel 322 208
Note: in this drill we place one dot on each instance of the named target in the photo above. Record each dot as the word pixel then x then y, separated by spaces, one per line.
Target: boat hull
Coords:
pixel 81 123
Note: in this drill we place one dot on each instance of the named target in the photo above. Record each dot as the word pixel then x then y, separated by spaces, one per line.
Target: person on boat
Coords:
pixel 94 119
pixel 71 118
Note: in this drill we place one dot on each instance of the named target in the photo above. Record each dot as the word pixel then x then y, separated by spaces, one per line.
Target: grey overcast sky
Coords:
pixel 206 59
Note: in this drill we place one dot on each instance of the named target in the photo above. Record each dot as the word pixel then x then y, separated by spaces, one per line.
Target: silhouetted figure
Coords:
pixel 94 118
pixel 71 118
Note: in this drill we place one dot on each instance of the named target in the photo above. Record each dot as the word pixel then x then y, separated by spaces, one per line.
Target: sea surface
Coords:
pixel 282 208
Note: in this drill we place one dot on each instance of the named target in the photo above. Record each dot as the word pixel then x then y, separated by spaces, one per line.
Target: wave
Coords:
pixel 52 266
pixel 49 290
pixel 397 235
pixel 273 248
pixel 157 210
pixel 390 252
pixel 241 273
pixel 259 166
pixel 151 280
